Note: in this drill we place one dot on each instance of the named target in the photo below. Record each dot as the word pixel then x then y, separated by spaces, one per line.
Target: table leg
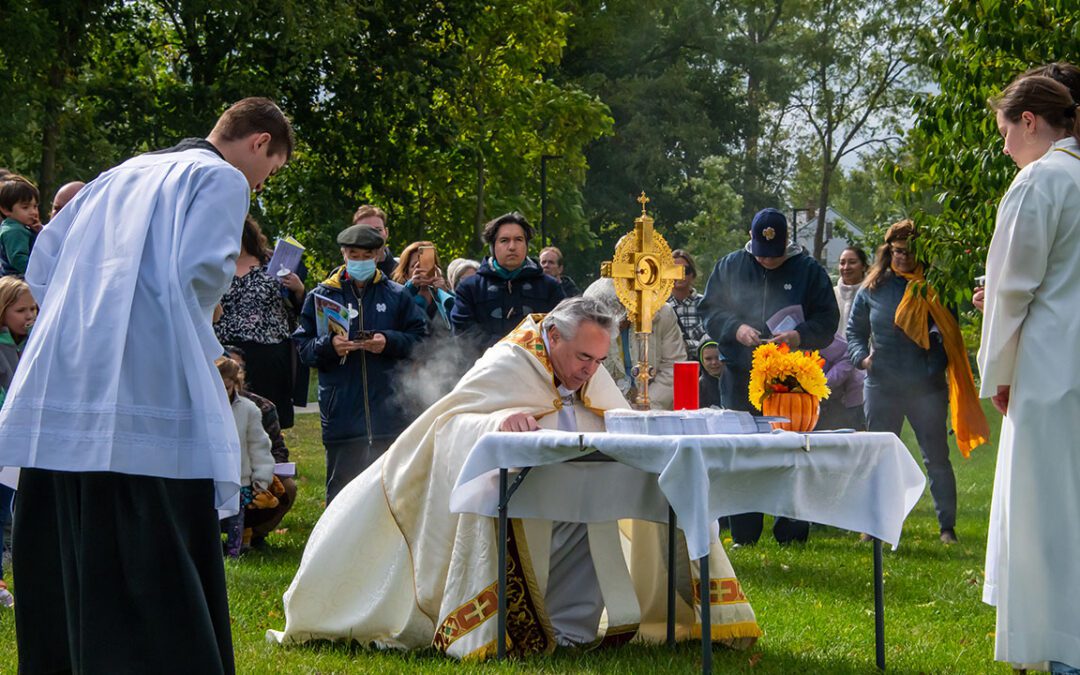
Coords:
pixel 706 617
pixel 879 606
pixel 671 578
pixel 500 651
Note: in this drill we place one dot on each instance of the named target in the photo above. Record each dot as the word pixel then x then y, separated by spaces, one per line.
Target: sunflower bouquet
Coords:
pixel 777 369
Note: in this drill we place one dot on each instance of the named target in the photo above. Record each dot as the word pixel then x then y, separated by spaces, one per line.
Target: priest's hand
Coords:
pixel 748 336
pixel 343 345
pixel 519 422
pixel 375 345
pixel 789 337
pixel 1001 399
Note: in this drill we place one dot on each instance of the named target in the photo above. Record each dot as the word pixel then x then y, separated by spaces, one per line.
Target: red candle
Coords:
pixel 686 385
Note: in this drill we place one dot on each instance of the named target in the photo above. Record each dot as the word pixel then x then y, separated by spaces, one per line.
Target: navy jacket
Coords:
pixel 742 291
pixel 384 307
pixel 488 306
pixel 897 360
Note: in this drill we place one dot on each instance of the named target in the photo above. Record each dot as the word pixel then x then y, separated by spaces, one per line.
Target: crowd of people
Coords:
pixel 231 333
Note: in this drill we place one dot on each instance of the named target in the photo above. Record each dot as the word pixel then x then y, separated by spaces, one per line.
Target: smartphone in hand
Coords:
pixel 363 335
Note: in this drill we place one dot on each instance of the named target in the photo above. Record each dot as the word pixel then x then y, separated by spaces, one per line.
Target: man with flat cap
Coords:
pixel 360 418
pixel 748 289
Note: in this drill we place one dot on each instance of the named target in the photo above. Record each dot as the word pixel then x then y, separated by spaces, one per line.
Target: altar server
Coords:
pixel 119 417
pixel 1030 339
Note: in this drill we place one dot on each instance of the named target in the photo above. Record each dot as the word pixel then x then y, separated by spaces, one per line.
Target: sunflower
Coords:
pixel 778 369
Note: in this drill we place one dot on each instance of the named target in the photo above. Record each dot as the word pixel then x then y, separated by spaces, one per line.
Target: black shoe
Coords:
pixel 948 536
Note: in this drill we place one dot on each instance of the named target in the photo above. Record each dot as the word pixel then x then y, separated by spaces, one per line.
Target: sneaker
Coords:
pixel 948 536
pixel 864 537
pixel 6 598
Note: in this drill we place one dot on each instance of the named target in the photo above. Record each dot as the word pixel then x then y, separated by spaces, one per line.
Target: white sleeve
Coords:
pixel 258 449
pixel 1015 267
pixel 210 244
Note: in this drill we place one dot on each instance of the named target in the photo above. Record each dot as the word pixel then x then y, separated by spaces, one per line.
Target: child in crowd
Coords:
pixel 19 207
pixel 17 314
pixel 256 462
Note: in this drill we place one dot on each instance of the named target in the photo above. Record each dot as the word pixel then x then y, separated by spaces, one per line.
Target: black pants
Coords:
pixel 119 574
pixel 269 373
pixel 347 459
pixel 746 527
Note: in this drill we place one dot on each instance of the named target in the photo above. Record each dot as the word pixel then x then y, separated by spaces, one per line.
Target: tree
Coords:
pixel 856 80
pixel 976 49
pixel 718 228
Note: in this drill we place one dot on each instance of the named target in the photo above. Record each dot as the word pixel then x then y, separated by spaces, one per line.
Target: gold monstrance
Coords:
pixel 644 272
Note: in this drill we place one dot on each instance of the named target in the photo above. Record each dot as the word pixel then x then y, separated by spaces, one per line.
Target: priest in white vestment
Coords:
pixel 429 576
pixel 119 417
pixel 1029 365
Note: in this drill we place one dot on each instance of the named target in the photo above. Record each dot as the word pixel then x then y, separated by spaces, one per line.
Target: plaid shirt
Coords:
pixel 693 328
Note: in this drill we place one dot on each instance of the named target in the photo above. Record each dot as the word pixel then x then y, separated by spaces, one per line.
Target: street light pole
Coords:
pixel 543 197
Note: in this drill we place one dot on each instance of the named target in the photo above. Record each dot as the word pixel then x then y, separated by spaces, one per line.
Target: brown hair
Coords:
pixel 491 229
pixel 681 254
pixel 11 287
pixel 366 211
pixel 230 372
pixel 256 115
pixel 1040 96
pixel 903 230
pixel 556 251
pixel 254 241
pixel 1065 73
pixel 401 272
pixel 14 189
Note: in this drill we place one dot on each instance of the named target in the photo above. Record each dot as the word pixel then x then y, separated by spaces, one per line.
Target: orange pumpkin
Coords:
pixel 801 409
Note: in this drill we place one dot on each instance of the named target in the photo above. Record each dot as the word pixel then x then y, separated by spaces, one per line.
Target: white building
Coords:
pixel 805 221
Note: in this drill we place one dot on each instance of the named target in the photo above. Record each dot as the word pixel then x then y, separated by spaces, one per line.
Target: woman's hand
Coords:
pixel 867 363
pixel 292 282
pixel 1001 399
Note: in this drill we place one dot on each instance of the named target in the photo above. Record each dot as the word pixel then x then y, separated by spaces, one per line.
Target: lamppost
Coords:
pixel 543 197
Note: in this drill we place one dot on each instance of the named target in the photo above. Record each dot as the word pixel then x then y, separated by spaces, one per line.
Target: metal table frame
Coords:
pixel 506 492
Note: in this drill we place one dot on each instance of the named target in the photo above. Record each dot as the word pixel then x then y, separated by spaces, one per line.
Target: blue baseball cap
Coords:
pixel 768 234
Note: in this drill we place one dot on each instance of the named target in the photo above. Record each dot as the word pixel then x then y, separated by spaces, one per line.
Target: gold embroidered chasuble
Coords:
pixel 388 563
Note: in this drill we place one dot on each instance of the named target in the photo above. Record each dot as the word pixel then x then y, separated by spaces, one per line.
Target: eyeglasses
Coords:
pixel 900 251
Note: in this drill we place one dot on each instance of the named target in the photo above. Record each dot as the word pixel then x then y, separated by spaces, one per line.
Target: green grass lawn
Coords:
pixel 814 602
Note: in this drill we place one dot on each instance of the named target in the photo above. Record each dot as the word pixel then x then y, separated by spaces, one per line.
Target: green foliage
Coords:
pixel 718 227
pixel 977 48
pixel 439 112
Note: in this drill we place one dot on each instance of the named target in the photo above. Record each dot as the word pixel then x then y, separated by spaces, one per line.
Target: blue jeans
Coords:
pixel 1059 668
pixel 886 408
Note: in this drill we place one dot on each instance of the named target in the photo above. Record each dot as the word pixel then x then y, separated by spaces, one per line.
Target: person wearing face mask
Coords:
pixel 360 417
pixel 508 286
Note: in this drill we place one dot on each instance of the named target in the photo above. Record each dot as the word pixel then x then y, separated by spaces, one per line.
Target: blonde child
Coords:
pixel 256 462
pixel 17 313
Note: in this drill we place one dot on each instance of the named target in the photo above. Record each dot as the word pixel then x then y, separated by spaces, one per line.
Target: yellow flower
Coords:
pixel 778 365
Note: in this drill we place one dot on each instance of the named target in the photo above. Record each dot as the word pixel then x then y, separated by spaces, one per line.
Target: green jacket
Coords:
pixel 9 359
pixel 16 240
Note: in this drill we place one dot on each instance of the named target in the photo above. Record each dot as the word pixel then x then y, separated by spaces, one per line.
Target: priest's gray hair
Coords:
pixel 569 314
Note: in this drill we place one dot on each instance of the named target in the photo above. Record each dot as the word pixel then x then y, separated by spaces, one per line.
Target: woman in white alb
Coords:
pixel 1028 360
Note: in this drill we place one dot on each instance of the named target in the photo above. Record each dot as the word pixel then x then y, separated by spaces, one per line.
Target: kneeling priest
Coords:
pixel 389 564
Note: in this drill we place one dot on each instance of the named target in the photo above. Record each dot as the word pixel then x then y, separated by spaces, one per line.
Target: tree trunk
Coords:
pixel 822 206
pixel 481 181
pixel 50 139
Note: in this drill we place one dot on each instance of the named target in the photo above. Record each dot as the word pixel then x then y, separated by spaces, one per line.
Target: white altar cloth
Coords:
pixel 864 482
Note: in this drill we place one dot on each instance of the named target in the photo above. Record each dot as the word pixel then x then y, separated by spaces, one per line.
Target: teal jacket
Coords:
pixel 16 240
pixel 9 359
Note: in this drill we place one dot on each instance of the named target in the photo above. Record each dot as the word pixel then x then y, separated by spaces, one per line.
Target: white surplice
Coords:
pixel 118 372
pixel 1031 342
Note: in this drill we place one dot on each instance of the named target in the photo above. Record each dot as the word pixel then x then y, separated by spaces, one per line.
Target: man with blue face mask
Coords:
pixel 356 390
